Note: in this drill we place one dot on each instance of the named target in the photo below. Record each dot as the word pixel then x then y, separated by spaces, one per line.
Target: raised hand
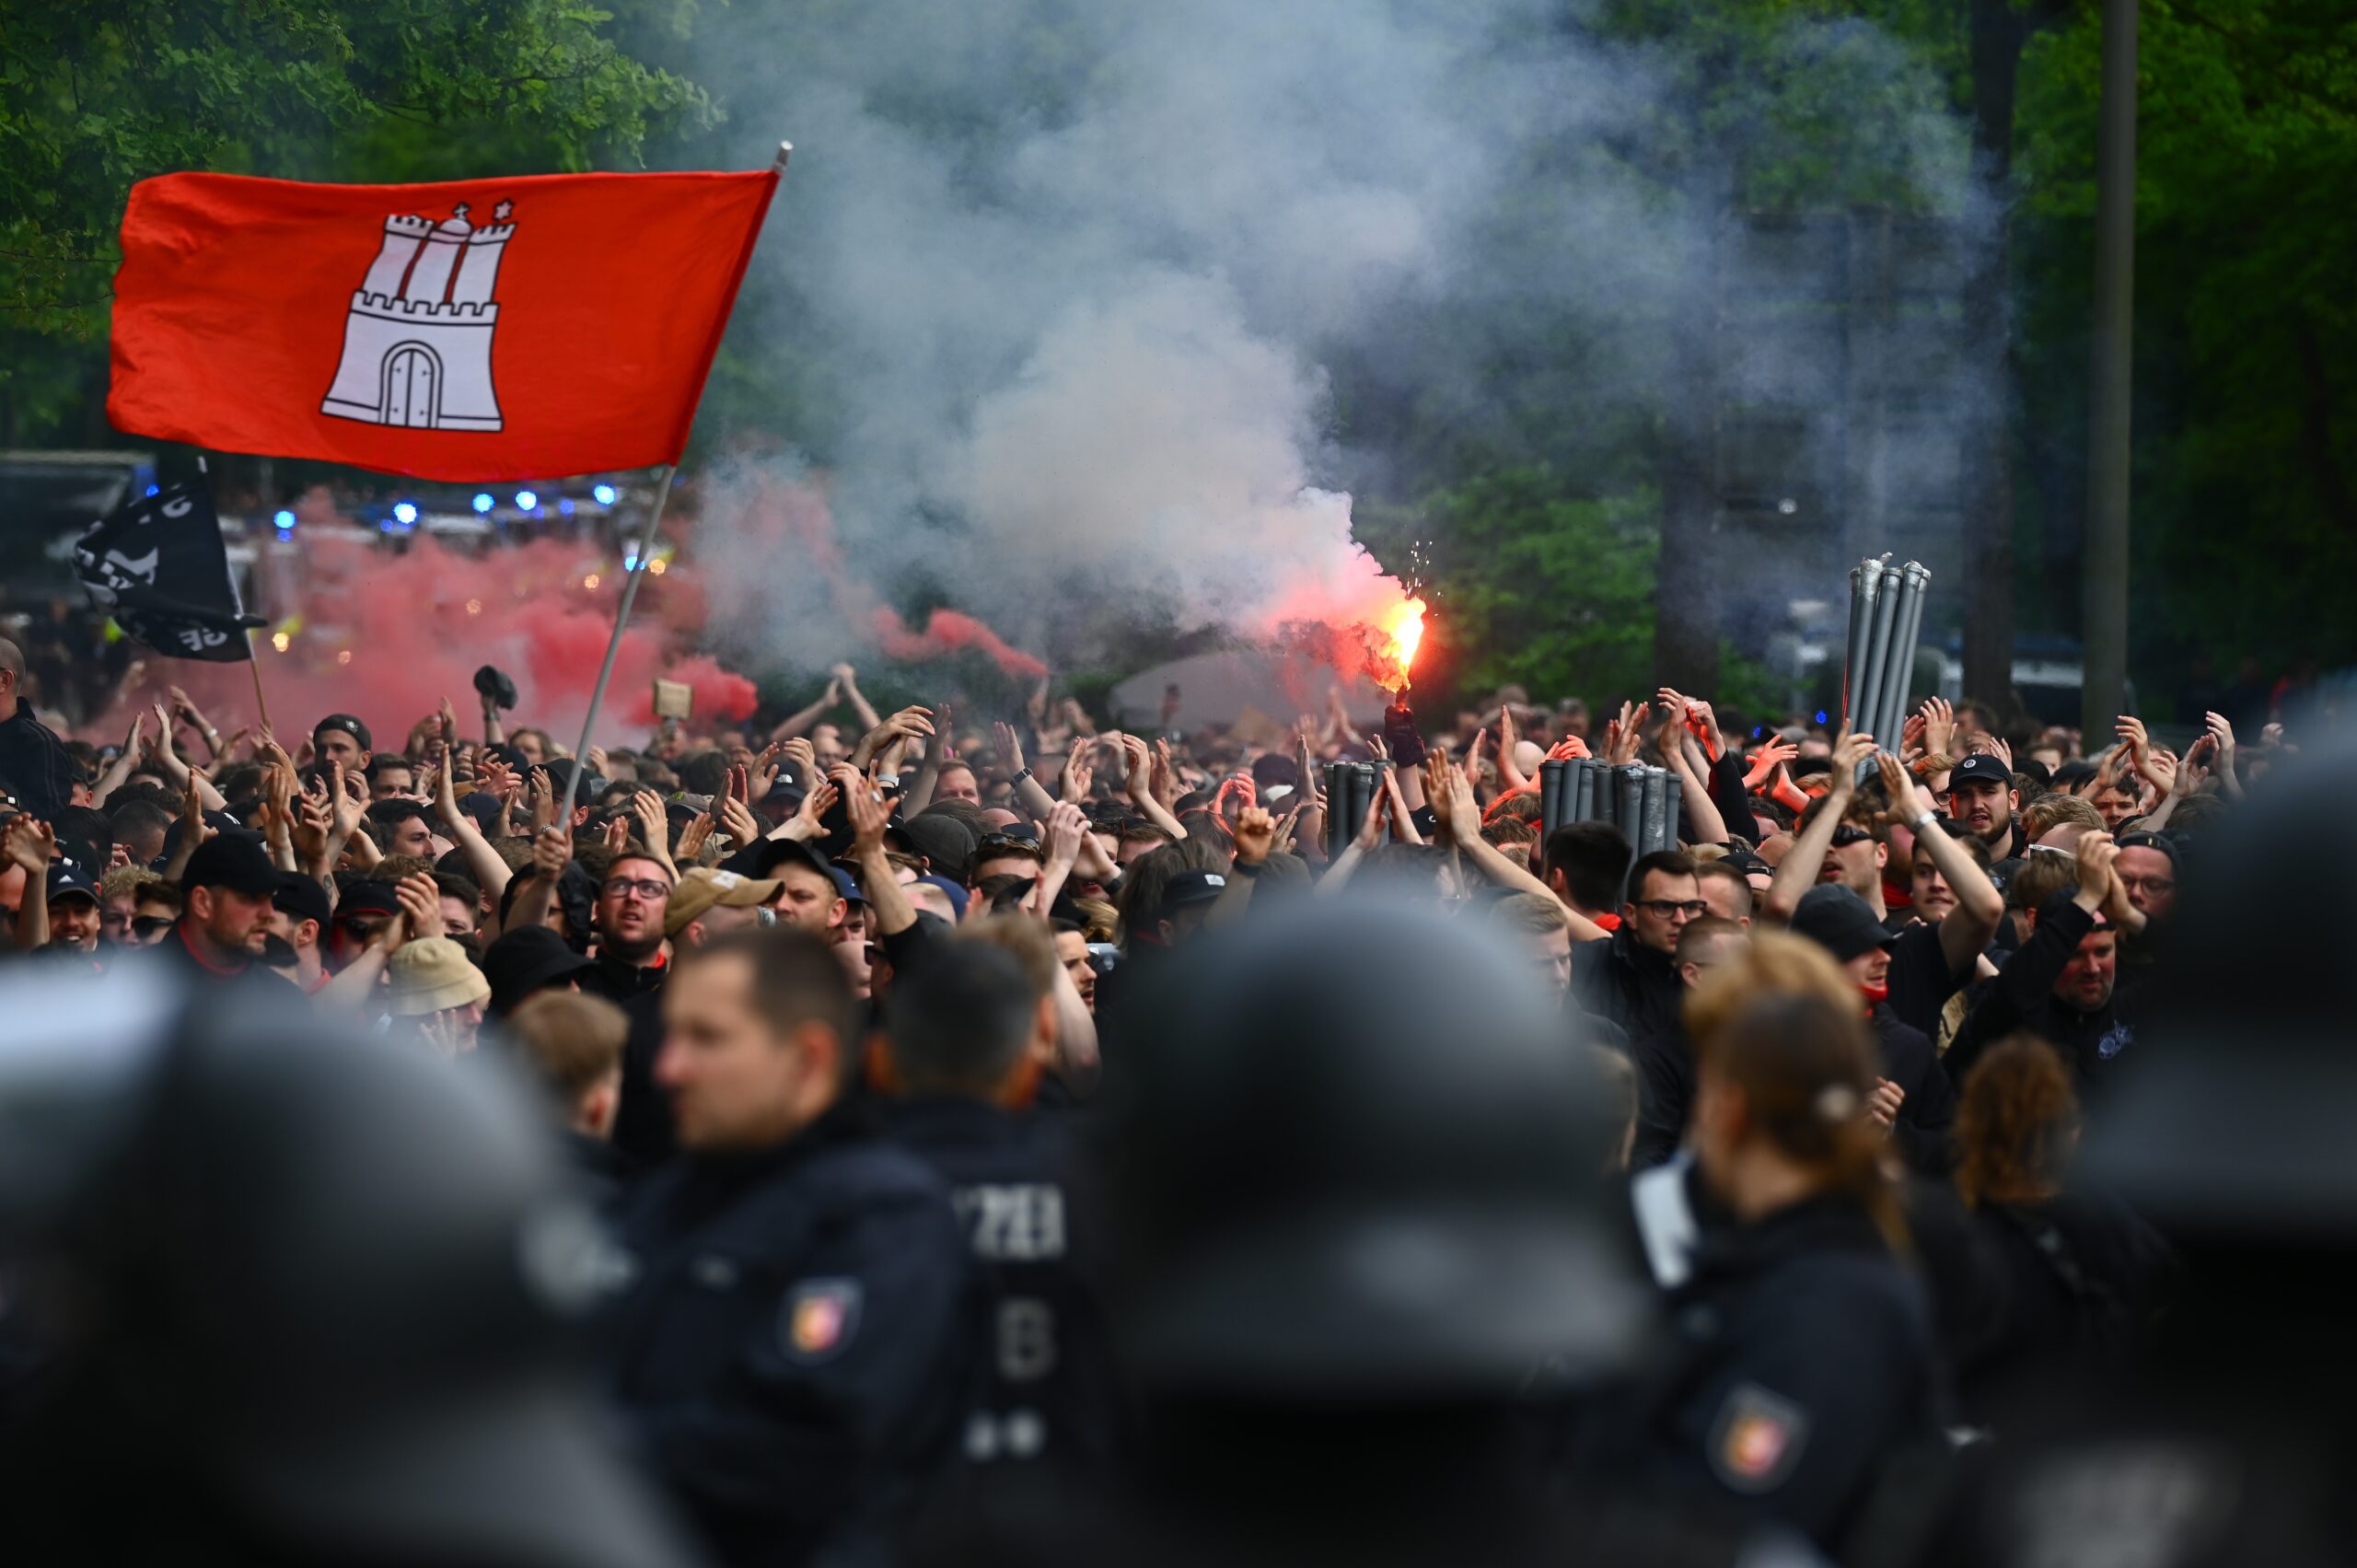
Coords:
pixel 421 903
pixel 1010 747
pixel 552 852
pixel 1939 726
pixel 1850 752
pixel 869 817
pixel 1166 775
pixel 1882 1106
pixel 1067 825
pixel 803 756
pixel 29 845
pixel 1079 773
pixel 1567 749
pixel 1907 800
pixel 1255 836
pixel 1773 753
pixel 698 833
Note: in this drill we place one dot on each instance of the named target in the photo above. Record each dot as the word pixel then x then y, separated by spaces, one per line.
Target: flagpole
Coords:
pixel 253 662
pixel 637 569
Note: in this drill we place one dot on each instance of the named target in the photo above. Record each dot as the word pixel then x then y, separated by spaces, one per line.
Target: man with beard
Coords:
pixel 633 903
pixel 1981 796
pixel 229 891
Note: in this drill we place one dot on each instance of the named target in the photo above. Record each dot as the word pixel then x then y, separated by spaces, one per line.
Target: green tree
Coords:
pixel 94 97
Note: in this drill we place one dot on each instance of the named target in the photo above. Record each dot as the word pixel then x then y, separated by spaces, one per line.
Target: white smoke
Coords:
pixel 1057 280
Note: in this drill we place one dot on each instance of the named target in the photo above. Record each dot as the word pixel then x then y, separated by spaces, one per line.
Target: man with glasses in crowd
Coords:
pixel 632 962
pixel 1628 977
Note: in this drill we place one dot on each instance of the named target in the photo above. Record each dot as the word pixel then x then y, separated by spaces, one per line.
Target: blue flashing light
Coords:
pixel 526 500
pixel 1820 716
pixel 405 513
pixel 604 494
pixel 386 525
pixel 630 563
pixel 284 518
pixel 285 534
pixel 155 489
pixel 483 500
pixel 565 505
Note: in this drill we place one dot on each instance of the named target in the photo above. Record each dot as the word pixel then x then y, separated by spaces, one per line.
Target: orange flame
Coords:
pixel 1407 633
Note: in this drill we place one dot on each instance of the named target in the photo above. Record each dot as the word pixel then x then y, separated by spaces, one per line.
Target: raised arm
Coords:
pixel 1965 933
pixel 1798 873
pixel 1452 797
pixel 887 901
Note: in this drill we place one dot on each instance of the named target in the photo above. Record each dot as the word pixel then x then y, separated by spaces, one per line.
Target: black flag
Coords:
pixel 158 567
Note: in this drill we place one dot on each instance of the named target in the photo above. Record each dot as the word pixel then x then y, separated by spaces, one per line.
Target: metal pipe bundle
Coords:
pixel 1628 801
pixel 1886 620
pixel 1584 788
pixel 1550 794
pixel 1652 827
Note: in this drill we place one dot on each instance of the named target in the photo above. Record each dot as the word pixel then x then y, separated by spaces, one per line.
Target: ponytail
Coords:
pixel 1782 1023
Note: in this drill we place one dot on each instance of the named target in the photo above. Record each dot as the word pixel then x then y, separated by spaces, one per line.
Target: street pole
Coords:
pixel 2106 619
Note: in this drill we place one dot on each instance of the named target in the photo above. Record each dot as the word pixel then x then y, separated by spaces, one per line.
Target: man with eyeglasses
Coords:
pixel 2147 871
pixel 1837 846
pixel 631 963
pixel 1664 1061
pixel 1629 978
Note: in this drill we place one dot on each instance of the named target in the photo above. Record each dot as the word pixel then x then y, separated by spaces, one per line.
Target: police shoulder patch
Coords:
pixel 1757 1439
pixel 818 1319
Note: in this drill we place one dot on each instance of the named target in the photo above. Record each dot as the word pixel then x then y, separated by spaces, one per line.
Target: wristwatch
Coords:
pixel 1020 776
pixel 1925 820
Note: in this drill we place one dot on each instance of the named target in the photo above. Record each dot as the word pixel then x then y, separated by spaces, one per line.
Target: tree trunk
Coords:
pixel 1686 586
pixel 1998 35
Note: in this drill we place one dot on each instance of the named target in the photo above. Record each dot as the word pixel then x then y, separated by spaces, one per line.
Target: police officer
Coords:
pixel 288 1296
pixel 1349 1188
pixel 794 1353
pixel 968 1031
pixel 1807 1389
pixel 2230 1133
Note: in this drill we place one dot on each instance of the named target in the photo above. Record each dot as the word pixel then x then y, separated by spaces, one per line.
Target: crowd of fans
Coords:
pixel 834 1014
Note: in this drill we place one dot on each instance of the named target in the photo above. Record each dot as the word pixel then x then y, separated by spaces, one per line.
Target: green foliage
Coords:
pixel 96 97
pixel 1544 586
pixel 2247 327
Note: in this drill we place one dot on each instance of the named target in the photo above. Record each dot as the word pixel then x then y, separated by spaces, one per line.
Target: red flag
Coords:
pixel 478 330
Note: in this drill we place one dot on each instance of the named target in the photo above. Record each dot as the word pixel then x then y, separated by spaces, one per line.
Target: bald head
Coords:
pixel 12 677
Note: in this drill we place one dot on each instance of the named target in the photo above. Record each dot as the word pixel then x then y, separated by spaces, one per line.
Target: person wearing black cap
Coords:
pixel 526 961
pixel 73 908
pixel 301 921
pixel 1982 795
pixel 794 1353
pixel 340 737
pixel 1841 923
pixel 2060 984
pixel 229 891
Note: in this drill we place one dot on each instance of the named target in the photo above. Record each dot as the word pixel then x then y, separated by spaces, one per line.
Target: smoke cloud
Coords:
pixel 1059 285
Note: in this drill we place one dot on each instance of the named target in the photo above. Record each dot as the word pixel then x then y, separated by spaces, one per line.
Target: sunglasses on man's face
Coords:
pixel 148 927
pixel 1848 833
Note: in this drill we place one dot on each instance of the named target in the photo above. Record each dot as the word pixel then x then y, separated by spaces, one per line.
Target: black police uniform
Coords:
pixel 1809 1365
pixel 794 1355
pixel 1046 1395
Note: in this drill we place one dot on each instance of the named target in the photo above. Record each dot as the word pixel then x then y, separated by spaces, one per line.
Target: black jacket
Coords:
pixel 1928 1112
pixel 643 1125
pixel 34 763
pixel 1634 986
pixel 1046 1394
pixel 1664 1096
pixel 2022 997
pixel 795 1353
pixel 1809 1364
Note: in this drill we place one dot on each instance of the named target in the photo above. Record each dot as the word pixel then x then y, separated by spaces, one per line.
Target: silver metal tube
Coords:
pixel 1862 677
pixel 1551 795
pixel 1629 803
pixel 1583 791
pixel 1912 581
pixel 1652 830
pixel 1673 805
pixel 1861 612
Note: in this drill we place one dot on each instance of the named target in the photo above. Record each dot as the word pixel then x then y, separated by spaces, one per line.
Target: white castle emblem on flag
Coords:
pixel 417 341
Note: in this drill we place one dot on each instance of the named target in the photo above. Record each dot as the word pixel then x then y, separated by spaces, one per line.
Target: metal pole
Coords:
pixel 1853 661
pixel 1878 706
pixel 1551 795
pixel 1628 803
pixel 1582 786
pixel 1916 581
pixel 2109 386
pixel 1655 797
pixel 1863 679
pixel 614 645
pixel 1674 811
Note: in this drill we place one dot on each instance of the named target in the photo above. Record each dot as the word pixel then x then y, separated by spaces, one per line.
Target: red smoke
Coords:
pixel 946 632
pixel 386 637
pixel 791 521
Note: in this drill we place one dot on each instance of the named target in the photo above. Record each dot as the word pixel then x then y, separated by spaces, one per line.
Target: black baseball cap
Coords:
pixel 367 898
pixel 528 959
pixel 68 881
pixel 303 898
pixel 235 860
pixel 349 725
pixel 1191 887
pixel 1838 921
pixel 1981 765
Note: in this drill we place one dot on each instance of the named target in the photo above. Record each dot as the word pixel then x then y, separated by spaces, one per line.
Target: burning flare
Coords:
pixel 1407 632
